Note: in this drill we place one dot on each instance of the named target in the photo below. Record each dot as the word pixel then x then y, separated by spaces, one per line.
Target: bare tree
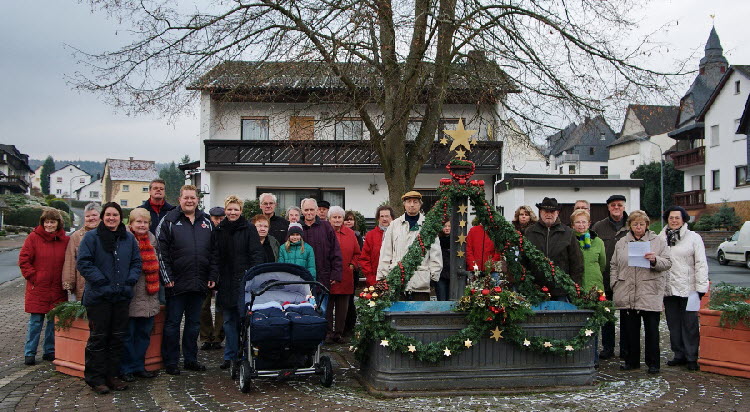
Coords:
pixel 565 57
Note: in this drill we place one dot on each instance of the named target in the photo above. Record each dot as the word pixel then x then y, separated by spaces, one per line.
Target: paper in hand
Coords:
pixel 636 254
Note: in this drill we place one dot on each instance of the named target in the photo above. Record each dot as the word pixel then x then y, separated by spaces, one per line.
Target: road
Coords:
pixel 9 265
pixel 734 273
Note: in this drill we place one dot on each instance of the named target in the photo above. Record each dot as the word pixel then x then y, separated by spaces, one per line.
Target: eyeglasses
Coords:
pixel 267 204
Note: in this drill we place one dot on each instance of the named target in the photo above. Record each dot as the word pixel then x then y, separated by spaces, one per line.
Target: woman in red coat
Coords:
pixel 341 291
pixel 41 261
pixel 480 250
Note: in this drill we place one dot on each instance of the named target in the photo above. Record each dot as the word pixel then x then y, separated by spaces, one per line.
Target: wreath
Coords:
pixel 492 311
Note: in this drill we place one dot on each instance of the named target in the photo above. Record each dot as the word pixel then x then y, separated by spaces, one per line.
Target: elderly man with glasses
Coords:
pixel 278 225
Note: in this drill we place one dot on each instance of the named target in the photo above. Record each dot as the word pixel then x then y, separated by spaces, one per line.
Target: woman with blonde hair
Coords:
pixel 72 280
pixel 639 291
pixel 523 218
pixel 238 247
pixel 270 244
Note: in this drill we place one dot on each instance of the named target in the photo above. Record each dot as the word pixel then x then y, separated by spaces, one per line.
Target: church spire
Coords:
pixel 713 60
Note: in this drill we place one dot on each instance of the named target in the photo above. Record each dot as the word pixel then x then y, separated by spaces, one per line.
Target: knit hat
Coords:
pixel 294 227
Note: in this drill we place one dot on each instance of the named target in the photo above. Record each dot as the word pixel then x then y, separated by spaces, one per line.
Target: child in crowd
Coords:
pixel 296 251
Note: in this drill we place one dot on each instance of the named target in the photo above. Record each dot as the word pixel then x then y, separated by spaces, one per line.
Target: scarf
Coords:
pixel 413 220
pixel 110 237
pixel 673 236
pixel 636 238
pixel 584 240
pixel 150 264
pixel 156 207
pixel 226 241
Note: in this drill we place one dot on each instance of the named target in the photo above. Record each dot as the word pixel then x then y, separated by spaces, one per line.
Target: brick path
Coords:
pixel 39 387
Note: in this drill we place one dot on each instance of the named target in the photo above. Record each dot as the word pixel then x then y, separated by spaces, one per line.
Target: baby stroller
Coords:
pixel 281 330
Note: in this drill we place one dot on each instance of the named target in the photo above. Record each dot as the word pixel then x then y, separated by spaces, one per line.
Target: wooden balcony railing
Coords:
pixel 694 199
pixel 689 158
pixel 327 155
pixel 16 184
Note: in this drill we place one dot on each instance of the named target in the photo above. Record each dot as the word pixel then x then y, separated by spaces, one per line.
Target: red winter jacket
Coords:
pixel 349 255
pixel 41 261
pixel 479 249
pixel 370 256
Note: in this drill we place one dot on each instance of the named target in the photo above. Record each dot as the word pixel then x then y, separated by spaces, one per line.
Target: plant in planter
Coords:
pixel 725 331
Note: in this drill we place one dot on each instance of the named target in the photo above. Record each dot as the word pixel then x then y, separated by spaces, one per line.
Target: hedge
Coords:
pixel 29 217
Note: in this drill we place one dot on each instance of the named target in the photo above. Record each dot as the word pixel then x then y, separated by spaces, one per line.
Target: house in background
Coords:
pixel 92 192
pixel 581 149
pixel 15 173
pixel 520 154
pixel 64 181
pixel 643 138
pixel 36 179
pixel 126 181
pixel 272 134
pixel 690 152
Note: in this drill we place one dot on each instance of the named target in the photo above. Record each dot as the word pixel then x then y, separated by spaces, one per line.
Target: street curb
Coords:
pixel 11 282
pixel 9 249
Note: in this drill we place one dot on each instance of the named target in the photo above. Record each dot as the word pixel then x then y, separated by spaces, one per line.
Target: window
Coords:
pixel 93 194
pixel 591 151
pixel 603 170
pixel 571 169
pixel 715 176
pixel 740 176
pixel 714 135
pixel 602 136
pixel 123 202
pixel 349 129
pixel 412 129
pixel 698 182
pixel 560 169
pixel 59 180
pixel 632 162
pixel 301 127
pixel 144 189
pixel 255 128
pixel 82 180
pixel 293 196
pixel 59 191
pixel 125 188
pixel 737 87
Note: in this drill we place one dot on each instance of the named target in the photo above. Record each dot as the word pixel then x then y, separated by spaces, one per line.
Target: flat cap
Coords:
pixel 411 195
pixel 216 211
pixel 615 197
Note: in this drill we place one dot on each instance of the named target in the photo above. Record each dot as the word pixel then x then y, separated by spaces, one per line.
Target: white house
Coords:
pixel 643 138
pixel 256 138
pixel 520 154
pixel 726 150
pixel 64 181
pixel 581 149
pixel 36 179
pixel 92 192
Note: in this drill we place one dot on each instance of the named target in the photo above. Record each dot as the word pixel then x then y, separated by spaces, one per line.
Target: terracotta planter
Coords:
pixel 725 351
pixel 70 347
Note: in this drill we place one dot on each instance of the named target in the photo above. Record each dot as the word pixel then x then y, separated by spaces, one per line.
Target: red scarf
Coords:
pixel 156 207
pixel 150 264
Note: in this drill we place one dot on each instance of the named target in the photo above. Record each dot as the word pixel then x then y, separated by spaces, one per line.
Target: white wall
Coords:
pixel 71 179
pixel 530 196
pixel 86 191
pixel 731 150
pixel 625 158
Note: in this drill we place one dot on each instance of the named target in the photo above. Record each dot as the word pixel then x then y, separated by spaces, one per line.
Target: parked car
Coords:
pixel 736 248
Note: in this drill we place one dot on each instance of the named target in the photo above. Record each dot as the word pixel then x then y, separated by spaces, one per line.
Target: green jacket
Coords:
pixel 305 259
pixel 594 263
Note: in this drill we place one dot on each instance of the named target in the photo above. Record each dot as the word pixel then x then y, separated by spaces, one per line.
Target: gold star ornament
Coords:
pixel 462 209
pixel 412 348
pixel 384 342
pixel 447 352
pixel 467 343
pixel 371 304
pixel 569 348
pixel 588 332
pixel 460 253
pixel 460 154
pixel 461 136
pixel 526 342
pixel 462 223
pixel 443 141
pixel 547 345
pixel 461 239
pixel 497 334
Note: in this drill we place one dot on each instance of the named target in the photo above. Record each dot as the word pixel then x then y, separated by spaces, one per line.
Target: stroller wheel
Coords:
pixel 246 372
pixel 326 379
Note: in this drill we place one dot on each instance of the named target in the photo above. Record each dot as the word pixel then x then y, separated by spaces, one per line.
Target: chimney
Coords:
pixel 477 56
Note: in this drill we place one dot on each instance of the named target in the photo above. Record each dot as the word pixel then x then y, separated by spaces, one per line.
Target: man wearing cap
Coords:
pixel 323 207
pixel 212 330
pixel 611 229
pixel 558 243
pixel 398 237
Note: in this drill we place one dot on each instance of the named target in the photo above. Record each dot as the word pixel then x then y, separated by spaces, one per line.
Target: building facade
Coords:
pixel 126 181
pixel 92 192
pixel 581 149
pixel 15 173
pixel 65 181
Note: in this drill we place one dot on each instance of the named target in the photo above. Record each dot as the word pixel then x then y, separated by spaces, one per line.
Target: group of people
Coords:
pixel 182 257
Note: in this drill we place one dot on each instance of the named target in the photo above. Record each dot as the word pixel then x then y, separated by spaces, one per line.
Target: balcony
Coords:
pixel 689 158
pixel 330 155
pixel 694 199
pixel 567 158
pixel 13 184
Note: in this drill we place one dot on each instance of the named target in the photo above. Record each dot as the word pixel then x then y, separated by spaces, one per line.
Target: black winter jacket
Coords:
pixel 156 217
pixel 110 277
pixel 185 252
pixel 605 228
pixel 248 252
pixel 560 245
pixel 278 228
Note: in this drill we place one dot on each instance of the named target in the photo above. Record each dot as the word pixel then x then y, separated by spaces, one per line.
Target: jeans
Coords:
pixel 33 332
pixel 188 304
pixel 108 323
pixel 442 289
pixel 231 333
pixel 136 344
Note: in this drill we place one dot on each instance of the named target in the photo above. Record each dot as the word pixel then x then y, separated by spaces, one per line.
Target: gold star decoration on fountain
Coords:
pixel 462 209
pixel 467 343
pixel 461 136
pixel 460 253
pixel 443 141
pixel 462 223
pixel 460 154
pixel 497 334
pixel 461 239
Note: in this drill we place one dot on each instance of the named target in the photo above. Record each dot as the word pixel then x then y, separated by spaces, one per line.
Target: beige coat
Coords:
pixel 144 305
pixel 72 280
pixel 396 242
pixel 689 271
pixel 635 287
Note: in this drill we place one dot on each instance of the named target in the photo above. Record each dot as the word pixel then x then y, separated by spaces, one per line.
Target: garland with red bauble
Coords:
pixel 501 322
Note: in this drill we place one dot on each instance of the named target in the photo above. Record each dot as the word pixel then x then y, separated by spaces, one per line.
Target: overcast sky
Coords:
pixel 41 115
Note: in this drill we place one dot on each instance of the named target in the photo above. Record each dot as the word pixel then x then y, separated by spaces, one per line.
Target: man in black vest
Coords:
pixel 278 226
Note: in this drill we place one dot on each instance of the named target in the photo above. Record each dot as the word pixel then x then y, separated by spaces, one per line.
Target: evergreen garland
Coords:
pixel 518 253
pixel 64 313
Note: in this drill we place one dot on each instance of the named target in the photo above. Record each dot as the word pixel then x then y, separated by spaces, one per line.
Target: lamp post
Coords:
pixel 661 175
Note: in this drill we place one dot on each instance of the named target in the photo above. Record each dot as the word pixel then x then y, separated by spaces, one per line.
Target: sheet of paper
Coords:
pixel 693 303
pixel 636 253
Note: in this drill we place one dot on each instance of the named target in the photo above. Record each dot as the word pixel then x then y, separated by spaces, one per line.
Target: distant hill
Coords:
pixel 91 167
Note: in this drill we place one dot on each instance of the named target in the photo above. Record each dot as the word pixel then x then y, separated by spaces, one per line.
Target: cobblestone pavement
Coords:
pixel 39 387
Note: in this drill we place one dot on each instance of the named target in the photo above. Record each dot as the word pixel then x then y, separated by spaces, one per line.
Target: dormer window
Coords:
pixel 737 87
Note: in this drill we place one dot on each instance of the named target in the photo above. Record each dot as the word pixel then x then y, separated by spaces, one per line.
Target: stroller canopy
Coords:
pixel 258 277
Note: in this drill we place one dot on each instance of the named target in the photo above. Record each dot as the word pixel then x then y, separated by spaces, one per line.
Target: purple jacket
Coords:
pixel 322 238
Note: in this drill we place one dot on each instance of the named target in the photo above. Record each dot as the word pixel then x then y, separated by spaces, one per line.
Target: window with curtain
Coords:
pixel 287 197
pixel 349 129
pixel 255 128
